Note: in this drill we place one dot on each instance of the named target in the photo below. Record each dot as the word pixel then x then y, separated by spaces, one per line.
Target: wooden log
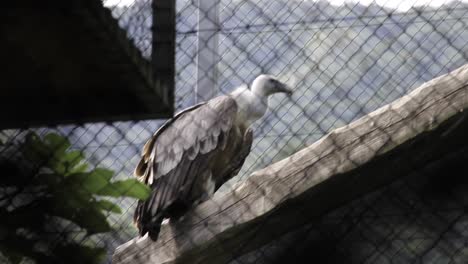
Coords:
pixel 393 141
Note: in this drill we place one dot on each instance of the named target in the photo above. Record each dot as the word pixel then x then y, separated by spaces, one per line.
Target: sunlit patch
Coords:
pixel 400 5
pixel 118 2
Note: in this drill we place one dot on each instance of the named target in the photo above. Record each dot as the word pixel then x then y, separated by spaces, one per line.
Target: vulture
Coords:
pixel 191 155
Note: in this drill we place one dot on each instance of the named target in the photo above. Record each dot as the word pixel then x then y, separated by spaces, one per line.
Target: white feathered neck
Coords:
pixel 251 104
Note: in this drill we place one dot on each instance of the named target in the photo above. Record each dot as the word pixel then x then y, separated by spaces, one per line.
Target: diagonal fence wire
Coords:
pixel 344 61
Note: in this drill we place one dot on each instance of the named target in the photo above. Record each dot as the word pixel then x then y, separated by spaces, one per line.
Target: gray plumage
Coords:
pixel 194 153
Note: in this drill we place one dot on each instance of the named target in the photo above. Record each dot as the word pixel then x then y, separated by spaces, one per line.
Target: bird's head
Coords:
pixel 265 85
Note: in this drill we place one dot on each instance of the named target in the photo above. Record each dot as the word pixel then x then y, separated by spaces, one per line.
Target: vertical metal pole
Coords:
pixel 207 56
pixel 163 54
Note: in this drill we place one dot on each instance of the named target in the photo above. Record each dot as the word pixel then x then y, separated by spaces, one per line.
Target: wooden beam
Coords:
pixel 395 140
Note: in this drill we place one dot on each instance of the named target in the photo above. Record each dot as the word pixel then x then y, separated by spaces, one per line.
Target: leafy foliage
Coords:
pixel 49 199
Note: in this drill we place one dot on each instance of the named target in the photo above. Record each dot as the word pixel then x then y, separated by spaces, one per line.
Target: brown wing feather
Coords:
pixel 237 161
pixel 141 171
pixel 181 156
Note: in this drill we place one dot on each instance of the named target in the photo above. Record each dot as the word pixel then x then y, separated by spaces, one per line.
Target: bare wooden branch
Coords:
pixel 392 141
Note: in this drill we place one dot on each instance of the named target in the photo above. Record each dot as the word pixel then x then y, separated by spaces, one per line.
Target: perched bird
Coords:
pixel 200 148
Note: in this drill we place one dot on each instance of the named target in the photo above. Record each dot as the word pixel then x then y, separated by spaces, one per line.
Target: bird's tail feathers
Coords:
pixel 152 227
pixel 147 223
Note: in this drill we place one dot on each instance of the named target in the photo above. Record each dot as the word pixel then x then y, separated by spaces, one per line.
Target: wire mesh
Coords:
pixel 343 60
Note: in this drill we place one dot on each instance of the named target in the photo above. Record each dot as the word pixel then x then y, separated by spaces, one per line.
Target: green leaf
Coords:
pixel 93 220
pixel 84 182
pixel 57 143
pixel 58 146
pixel 80 168
pixel 129 188
pixel 68 192
pixel 48 152
pixel 73 202
pixel 109 206
pixel 70 159
pixel 103 173
pixel 91 182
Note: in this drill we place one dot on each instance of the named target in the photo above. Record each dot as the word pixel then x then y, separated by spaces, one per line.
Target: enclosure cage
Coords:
pixel 345 61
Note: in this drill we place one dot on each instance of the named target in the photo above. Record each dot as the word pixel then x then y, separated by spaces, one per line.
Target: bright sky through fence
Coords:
pixel 400 5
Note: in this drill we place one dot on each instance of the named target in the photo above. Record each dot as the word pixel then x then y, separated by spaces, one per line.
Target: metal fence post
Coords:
pixel 163 55
pixel 207 58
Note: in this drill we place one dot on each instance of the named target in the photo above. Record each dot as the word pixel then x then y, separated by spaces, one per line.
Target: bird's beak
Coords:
pixel 283 88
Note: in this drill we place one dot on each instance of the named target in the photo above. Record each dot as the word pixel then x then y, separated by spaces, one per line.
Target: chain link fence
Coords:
pixel 344 60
